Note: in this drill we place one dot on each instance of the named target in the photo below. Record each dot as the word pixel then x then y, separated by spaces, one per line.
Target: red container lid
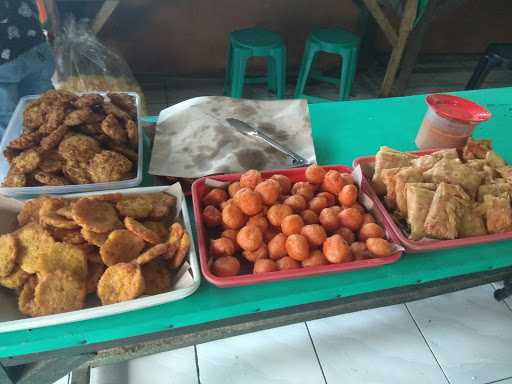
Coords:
pixel 458 108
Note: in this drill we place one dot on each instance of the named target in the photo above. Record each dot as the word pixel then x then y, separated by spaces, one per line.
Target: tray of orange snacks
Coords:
pixel 265 226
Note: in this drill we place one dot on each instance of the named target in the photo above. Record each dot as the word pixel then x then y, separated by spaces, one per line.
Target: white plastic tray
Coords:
pixel 14 130
pixel 12 320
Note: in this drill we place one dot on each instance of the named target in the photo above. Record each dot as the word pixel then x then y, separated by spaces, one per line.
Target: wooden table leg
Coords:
pixel 396 55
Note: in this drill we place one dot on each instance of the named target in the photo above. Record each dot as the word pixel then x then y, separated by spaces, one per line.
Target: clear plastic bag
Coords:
pixel 84 64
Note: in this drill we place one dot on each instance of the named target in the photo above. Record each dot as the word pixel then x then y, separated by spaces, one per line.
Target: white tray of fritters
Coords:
pixel 61 142
pixel 83 256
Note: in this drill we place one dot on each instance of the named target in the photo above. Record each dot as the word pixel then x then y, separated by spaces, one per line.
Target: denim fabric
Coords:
pixel 28 74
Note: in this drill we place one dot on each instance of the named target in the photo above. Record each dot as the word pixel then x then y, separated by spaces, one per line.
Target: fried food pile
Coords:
pixel 71 139
pixel 260 226
pixel 116 246
pixel 444 195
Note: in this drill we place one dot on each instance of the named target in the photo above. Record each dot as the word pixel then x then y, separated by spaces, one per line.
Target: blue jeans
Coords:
pixel 28 74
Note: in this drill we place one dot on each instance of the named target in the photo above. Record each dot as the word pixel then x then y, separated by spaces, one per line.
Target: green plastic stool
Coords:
pixel 252 42
pixel 333 40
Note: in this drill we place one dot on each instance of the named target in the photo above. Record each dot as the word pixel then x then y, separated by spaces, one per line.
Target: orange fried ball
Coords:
pixel 277 213
pixel 233 188
pixel 225 203
pixel 316 204
pixel 316 258
pixel 284 181
pixel 231 235
pixel 270 233
pixel 336 249
pixel 315 174
pixel 359 207
pixel 297 247
pixel 379 247
pixel 292 225
pixel 347 178
pixel 250 179
pixel 351 218
pixel 269 191
pixel 285 263
pixel 248 201
pixel 226 266
pixel 264 265
pixel 305 189
pixel 348 195
pixel 233 217
pixel 215 197
pixel 371 230
pixel 368 218
pixel 332 182
pixel 277 247
pixel 347 234
pixel 259 221
pixel 359 250
pixel 222 247
pixel 331 199
pixel 337 209
pixel 309 217
pixel 249 238
pixel 297 202
pixel 314 233
pixel 329 219
pixel 260 253
pixel 212 216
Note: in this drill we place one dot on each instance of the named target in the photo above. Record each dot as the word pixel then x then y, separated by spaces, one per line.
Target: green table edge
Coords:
pixel 333 145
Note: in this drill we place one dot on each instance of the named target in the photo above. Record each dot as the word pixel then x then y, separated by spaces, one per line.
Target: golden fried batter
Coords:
pixel 181 253
pixel 123 101
pixel 93 256
pixel 51 162
pixel 176 233
pixel 55 117
pixel 8 254
pixel 79 148
pixel 71 236
pixel 124 150
pixel 93 129
pixel 157 277
pixel 162 204
pixel 76 172
pixel 94 272
pixel 110 197
pixel 109 166
pixel 67 210
pixel 152 253
pixel 110 108
pixel 94 238
pixel 88 100
pixel 121 246
pixel 159 228
pixel 121 282
pixel 58 292
pixel 48 215
pixel 27 161
pixel 95 215
pixel 140 230
pixel 33 116
pixel 16 279
pixel 111 127
pixel 10 154
pixel 46 178
pixel 33 240
pixel 54 138
pixel 136 206
pixel 30 210
pixel 77 117
pixel 25 141
pixel 63 256
pixel 26 303
pixel 133 133
pixel 15 179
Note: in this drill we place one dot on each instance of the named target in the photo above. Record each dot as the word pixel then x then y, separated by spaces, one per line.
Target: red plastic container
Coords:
pixel 412 246
pixel 295 174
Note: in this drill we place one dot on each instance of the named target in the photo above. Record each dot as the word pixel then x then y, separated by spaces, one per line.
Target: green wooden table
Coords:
pixel 342 131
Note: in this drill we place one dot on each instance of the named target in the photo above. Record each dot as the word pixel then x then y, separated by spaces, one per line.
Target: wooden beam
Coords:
pixel 406 24
pixel 383 21
pixel 103 14
pixel 81 375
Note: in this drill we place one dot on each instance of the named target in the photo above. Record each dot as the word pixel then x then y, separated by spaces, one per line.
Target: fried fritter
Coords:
pixel 123 101
pixel 67 210
pixel 95 215
pixel 76 172
pixel 88 100
pixel 142 231
pixel 152 253
pixel 175 234
pixel 95 238
pixel 130 154
pixel 8 254
pixel 33 116
pixel 48 214
pixel 111 127
pixel 91 129
pixel 15 179
pixel 16 279
pixel 121 246
pixel 33 240
pixel 63 256
pixel 30 210
pixel 109 197
pixel 133 133
pixel 159 228
pixel 136 206
pixel 110 108
pixel 77 117
pixel 94 272
pixel 25 141
pixel 120 282
pixel 10 154
pixel 55 117
pixel 51 162
pixel 93 256
pixel 109 166
pixel 27 161
pixel 79 148
pixel 162 204
pixel 49 179
pixel 181 253
pixel 26 303
pixel 54 138
pixel 71 236
pixel 156 277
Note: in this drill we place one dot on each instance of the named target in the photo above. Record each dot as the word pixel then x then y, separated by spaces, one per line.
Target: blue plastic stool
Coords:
pixel 253 42
pixel 332 40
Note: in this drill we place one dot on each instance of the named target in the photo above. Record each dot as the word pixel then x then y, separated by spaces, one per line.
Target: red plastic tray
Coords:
pixel 295 174
pixel 412 246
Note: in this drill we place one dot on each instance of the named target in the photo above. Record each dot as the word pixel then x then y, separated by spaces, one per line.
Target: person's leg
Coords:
pixel 38 70
pixel 10 75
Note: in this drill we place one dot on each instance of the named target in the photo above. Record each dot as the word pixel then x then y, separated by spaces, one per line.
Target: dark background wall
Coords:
pixel 189 37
